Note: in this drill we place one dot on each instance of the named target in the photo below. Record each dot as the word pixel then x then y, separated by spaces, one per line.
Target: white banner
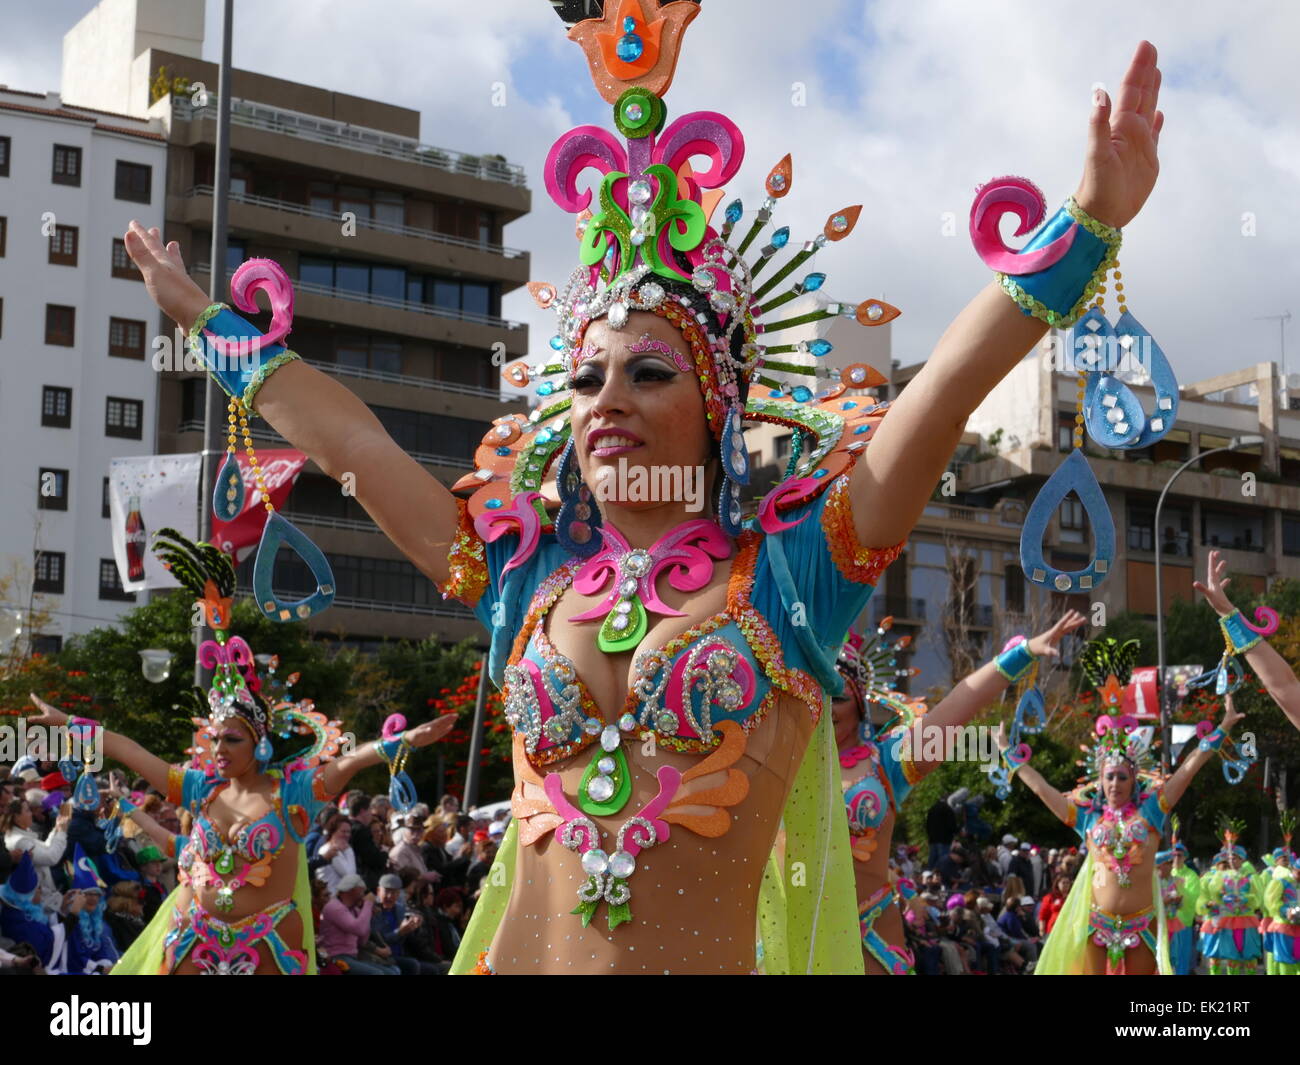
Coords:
pixel 147 493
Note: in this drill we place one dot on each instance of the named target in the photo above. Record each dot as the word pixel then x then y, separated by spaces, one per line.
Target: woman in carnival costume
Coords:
pixel 1180 887
pixel 665 728
pixel 1281 903
pixel 1241 637
pixel 244 904
pixel 1230 905
pixel 1113 921
pixel 880 765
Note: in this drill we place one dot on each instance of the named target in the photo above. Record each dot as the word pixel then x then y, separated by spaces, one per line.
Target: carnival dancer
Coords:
pixel 880 761
pixel 666 667
pixel 1241 637
pixel 245 906
pixel 1230 906
pixel 1182 943
pixel 1281 924
pixel 1113 921
pixel 91 947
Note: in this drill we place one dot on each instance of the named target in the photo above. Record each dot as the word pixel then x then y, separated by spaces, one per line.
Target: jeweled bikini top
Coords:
pixel 681 691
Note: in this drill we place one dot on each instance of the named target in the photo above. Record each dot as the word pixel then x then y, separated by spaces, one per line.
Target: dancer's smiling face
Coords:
pixel 640 382
pixel 1117 783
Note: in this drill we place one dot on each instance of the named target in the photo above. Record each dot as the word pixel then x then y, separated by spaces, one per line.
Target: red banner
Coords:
pixel 1140 697
pixel 280 470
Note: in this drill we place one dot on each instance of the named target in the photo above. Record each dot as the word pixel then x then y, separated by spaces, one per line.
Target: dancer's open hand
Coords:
pixel 1047 644
pixel 1215 583
pixel 165 278
pixel 1120 169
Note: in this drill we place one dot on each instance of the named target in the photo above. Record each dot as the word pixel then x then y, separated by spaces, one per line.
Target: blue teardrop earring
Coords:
pixel 578 521
pixel 263 751
pixel 228 503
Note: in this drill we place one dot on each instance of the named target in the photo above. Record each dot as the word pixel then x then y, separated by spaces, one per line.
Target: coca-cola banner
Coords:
pixel 1140 697
pixel 147 493
pixel 280 470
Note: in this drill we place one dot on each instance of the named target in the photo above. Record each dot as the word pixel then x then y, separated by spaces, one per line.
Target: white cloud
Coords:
pixel 950 94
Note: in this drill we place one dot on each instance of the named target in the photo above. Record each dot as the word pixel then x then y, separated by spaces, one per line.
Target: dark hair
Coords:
pixel 332 825
pixel 449 896
pixel 358 803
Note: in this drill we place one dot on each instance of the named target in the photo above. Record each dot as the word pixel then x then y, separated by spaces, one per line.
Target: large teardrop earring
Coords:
pixel 577 522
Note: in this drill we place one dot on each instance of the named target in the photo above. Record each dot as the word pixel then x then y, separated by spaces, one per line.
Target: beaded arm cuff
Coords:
pixel 1238 637
pixel 239 373
pixel 1016 662
pixel 862 565
pixel 467 562
pixel 1062 292
pixel 1213 741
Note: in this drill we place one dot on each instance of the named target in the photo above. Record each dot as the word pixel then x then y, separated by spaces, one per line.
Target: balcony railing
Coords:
pixel 357 138
pixel 403 379
pixel 387 301
pixel 365 223
pixel 450 609
pixel 299 517
pixel 270 436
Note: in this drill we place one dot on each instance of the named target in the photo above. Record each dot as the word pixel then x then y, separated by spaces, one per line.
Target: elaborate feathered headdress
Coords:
pixel 1230 829
pixel 869 665
pixel 237 692
pixel 1108 665
pixel 647 244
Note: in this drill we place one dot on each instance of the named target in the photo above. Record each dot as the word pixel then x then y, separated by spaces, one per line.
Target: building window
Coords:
pixel 123 266
pixel 105 510
pixel 60 325
pixel 4 232
pixel 4 156
pixel 1014 584
pixel 1291 536
pixel 1065 434
pixel 1241 532
pixel 67 165
pixel 47 645
pixel 1175 530
pixel 56 407
pixel 132 182
pixel 1072 514
pixel 363 352
pixel 52 489
pixel 63 246
pixel 124 417
pixel 49 572
pixel 110 582
pixel 125 338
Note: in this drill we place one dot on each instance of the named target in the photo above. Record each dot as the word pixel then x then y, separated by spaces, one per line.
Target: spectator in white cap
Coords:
pixel 1019 865
pixel 1039 883
pixel 1009 842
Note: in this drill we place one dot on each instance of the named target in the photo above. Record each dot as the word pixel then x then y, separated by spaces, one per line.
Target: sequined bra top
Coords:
pixel 681 691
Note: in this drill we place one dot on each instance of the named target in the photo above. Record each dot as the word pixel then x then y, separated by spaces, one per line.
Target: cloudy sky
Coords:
pixel 909 105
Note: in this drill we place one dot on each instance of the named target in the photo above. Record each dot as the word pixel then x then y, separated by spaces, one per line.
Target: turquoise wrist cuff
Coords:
pixel 1239 636
pixel 1062 292
pixel 238 366
pixel 1213 741
pixel 1016 662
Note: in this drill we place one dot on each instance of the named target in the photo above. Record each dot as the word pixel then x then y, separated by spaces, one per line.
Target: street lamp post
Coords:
pixel 1236 442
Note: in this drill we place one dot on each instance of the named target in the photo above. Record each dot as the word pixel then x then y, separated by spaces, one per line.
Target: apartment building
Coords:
pixel 76 386
pixel 397 253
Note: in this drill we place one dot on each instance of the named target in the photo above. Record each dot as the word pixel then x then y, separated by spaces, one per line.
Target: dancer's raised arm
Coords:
pixel 1196 761
pixel 1056 801
pixel 326 421
pixel 113 745
pixel 1271 668
pixel 974 692
pixel 913 445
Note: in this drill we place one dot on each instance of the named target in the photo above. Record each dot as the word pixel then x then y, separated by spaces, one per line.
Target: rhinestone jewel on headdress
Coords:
pixel 871 663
